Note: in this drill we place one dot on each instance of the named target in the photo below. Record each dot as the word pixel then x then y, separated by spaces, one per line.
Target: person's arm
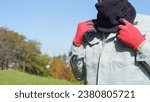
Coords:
pixel 76 54
pixel 143 53
pixel 134 39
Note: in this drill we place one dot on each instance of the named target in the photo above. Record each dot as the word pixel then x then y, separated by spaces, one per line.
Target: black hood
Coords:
pixel 109 13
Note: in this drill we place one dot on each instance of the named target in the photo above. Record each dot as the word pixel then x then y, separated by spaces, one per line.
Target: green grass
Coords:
pixel 14 77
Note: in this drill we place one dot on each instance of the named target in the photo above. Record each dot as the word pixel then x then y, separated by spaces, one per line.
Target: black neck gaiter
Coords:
pixel 109 13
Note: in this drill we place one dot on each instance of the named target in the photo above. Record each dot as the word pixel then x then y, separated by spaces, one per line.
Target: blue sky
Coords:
pixel 53 23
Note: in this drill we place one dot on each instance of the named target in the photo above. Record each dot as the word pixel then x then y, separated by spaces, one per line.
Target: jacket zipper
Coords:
pixel 99 58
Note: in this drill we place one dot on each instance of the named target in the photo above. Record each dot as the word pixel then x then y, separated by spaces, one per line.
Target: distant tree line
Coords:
pixel 18 52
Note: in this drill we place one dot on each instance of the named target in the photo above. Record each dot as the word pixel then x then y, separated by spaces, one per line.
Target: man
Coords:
pixel 114 48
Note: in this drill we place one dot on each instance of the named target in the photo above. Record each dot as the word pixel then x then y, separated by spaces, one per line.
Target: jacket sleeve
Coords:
pixel 76 57
pixel 144 54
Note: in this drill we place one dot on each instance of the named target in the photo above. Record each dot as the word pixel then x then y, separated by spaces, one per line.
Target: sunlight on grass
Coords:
pixel 14 77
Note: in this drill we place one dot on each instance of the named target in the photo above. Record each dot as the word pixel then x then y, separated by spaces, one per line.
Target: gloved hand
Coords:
pixel 130 35
pixel 83 28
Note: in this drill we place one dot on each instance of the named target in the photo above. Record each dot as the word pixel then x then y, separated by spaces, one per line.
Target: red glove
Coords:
pixel 130 35
pixel 83 28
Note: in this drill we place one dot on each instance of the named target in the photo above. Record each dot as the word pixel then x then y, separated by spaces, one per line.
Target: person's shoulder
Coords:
pixel 143 22
pixel 143 19
pixel 142 16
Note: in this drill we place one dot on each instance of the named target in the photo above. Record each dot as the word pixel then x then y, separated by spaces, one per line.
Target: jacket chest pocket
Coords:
pixel 123 57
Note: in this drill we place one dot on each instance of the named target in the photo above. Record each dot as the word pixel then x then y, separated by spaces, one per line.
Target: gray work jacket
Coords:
pixel 104 60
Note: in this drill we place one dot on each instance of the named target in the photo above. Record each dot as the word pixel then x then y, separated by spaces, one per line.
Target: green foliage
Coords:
pixel 21 53
pixel 14 77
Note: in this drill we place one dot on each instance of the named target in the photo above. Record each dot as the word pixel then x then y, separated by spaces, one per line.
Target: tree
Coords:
pixel 61 70
pixel 22 53
pixel 57 68
pixel 9 41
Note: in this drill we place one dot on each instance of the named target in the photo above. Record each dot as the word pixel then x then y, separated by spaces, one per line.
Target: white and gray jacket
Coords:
pixel 104 60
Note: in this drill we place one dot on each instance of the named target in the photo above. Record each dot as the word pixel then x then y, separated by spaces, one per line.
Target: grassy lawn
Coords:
pixel 14 77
